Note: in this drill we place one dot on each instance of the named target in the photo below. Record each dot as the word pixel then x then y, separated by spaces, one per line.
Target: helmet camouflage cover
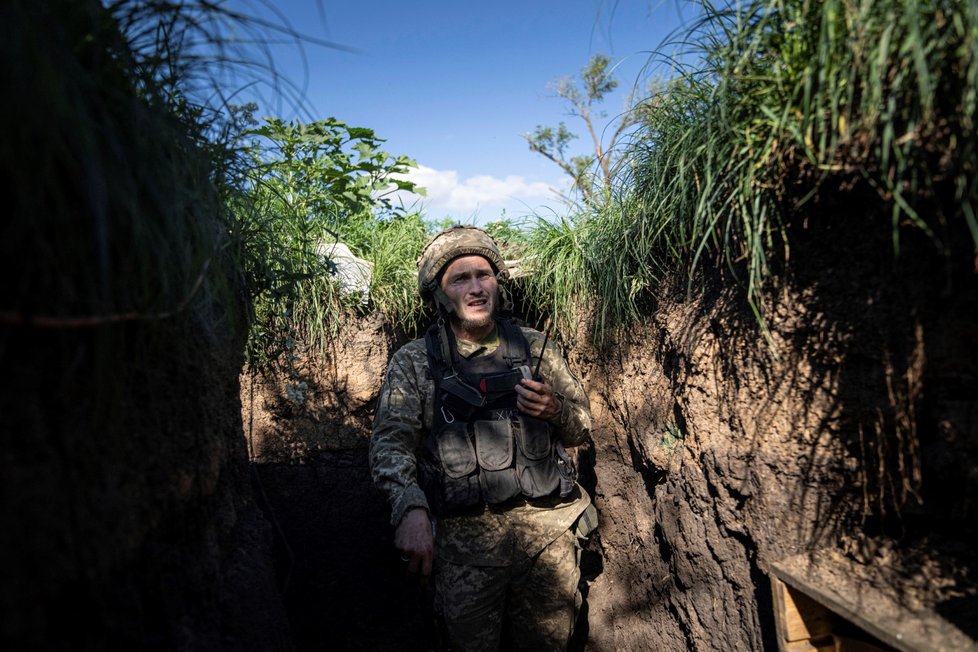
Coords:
pixel 450 244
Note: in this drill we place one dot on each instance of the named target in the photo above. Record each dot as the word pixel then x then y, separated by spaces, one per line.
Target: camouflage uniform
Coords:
pixel 519 556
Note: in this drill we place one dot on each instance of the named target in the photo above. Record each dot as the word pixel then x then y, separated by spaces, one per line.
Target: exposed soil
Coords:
pixel 128 517
pixel 840 447
pixel 849 430
pixel 154 498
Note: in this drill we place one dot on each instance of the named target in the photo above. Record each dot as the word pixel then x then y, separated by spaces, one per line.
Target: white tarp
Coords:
pixel 352 273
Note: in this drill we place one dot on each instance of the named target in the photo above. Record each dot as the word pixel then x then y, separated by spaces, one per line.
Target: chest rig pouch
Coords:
pixel 481 449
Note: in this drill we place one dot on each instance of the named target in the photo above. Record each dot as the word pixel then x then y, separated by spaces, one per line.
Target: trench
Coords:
pixel 153 498
pixel 718 472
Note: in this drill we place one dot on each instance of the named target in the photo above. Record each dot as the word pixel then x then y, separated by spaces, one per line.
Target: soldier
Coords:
pixel 468 444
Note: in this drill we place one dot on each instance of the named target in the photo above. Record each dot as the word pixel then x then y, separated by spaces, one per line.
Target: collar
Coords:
pixel 487 344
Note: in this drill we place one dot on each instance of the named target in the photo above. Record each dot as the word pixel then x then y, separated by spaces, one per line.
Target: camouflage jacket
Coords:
pixel 403 419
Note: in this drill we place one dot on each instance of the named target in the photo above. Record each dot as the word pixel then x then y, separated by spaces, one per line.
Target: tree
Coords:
pixel 593 84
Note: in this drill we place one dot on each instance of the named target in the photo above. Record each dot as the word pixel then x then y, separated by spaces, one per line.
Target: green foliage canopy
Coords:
pixel 308 187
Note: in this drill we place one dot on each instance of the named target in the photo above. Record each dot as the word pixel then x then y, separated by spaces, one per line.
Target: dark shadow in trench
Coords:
pixel 907 408
pixel 344 585
pixel 896 337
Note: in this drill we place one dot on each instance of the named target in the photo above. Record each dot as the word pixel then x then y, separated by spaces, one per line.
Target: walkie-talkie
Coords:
pixel 546 338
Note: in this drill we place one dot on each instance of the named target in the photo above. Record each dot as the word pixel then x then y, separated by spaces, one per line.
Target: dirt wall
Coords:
pixel 845 433
pixel 844 430
pixel 307 425
pixel 128 517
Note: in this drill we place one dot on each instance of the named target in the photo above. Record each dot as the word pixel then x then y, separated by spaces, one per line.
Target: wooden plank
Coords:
pixel 833 582
pixel 830 644
pixel 798 617
pixel 807 646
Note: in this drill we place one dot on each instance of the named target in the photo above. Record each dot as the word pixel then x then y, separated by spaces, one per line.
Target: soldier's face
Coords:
pixel 470 284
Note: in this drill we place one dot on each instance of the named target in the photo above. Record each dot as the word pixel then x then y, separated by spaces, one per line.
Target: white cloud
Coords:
pixel 481 195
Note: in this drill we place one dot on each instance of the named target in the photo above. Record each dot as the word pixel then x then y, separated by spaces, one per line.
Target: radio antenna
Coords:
pixel 546 338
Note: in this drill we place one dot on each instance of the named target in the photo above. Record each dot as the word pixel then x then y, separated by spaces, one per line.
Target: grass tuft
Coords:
pixel 783 98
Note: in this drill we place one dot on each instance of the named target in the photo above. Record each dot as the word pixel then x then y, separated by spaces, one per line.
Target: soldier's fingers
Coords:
pixel 533 409
pixel 529 395
pixel 535 386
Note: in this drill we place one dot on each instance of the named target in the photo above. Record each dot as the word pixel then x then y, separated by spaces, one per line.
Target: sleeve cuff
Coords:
pixel 411 497
pixel 557 420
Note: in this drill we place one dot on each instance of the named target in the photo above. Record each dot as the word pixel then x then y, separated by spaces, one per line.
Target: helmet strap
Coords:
pixel 447 343
pixel 505 301
pixel 442 301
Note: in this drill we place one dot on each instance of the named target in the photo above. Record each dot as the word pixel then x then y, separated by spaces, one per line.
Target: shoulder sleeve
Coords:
pixel 573 424
pixel 397 432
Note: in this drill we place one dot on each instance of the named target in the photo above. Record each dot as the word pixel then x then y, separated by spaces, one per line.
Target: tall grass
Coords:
pixel 287 188
pixel 112 203
pixel 579 269
pixel 145 192
pixel 557 273
pixel 783 97
pixel 393 247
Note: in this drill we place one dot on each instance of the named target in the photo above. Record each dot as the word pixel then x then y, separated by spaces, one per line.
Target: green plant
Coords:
pixel 113 215
pixel 557 276
pixel 393 248
pixel 152 200
pixel 583 94
pixel 670 435
pixel 783 97
pixel 803 91
pixel 507 234
pixel 309 187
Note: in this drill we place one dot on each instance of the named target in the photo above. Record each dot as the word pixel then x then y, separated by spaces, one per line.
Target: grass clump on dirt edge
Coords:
pixel 772 103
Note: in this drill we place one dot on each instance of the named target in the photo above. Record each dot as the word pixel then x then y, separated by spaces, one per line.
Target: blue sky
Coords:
pixel 454 84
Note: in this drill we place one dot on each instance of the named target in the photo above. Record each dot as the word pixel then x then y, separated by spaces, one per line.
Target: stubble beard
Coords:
pixel 475 324
pixel 472 324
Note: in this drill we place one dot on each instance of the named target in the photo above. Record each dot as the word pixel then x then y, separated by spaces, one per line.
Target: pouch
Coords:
pixel 565 469
pixel 494 444
pixel 498 388
pixel 455 451
pixel 494 449
pixel 459 484
pixel 499 486
pixel 535 468
pixel 533 438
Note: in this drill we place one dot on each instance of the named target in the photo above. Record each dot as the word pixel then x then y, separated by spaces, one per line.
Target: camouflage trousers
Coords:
pixel 535 598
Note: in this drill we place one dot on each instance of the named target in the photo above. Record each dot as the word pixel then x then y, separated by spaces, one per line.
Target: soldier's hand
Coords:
pixel 413 538
pixel 537 399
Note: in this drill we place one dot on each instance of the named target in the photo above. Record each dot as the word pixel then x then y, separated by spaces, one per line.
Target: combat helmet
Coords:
pixel 448 245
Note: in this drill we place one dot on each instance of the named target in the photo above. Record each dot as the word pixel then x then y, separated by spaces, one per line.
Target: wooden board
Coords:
pixel 797 616
pixel 833 582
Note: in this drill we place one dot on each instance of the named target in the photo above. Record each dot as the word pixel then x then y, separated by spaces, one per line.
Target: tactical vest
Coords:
pixel 481 449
